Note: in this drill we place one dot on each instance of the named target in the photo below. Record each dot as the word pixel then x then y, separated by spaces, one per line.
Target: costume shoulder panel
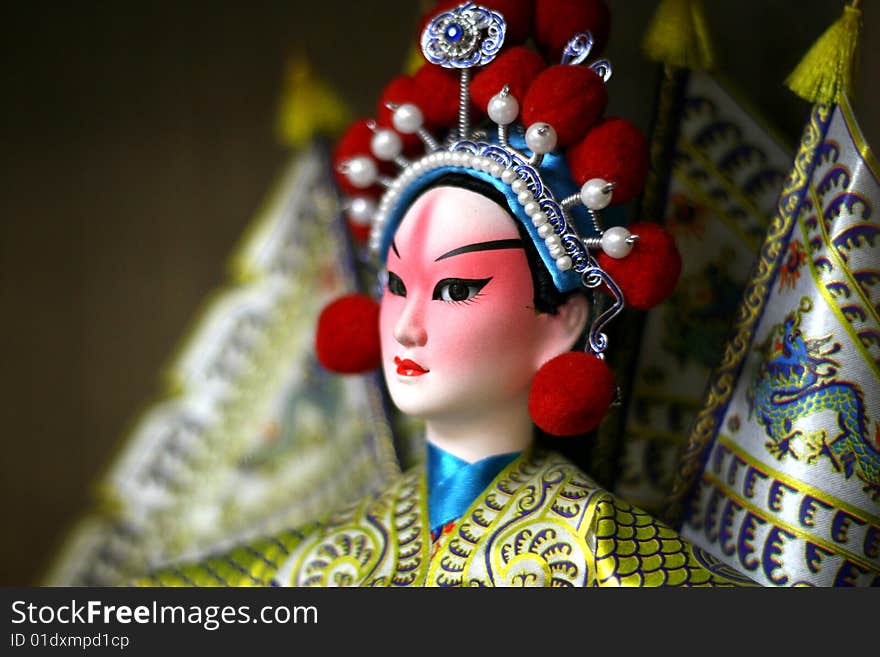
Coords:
pixel 632 548
pixel 253 564
pixel 379 541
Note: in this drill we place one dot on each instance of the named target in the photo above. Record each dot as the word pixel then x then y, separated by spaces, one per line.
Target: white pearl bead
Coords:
pixel 541 138
pixel 593 194
pixel 386 144
pixel 407 119
pixel 361 210
pixel 614 242
pixel 556 250
pixel 508 176
pixel 532 208
pixel 539 219
pixel 361 171
pixel 545 231
pixel 503 109
pixel 525 197
pixel 497 170
pixel 518 185
pixel 564 263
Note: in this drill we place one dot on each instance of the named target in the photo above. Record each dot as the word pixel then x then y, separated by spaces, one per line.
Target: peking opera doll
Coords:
pixel 489 242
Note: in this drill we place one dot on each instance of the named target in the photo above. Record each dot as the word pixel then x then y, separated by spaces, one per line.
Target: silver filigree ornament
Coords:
pixel 578 49
pixel 465 37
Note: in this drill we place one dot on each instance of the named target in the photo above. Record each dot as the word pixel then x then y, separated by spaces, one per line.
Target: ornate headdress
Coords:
pixel 545 147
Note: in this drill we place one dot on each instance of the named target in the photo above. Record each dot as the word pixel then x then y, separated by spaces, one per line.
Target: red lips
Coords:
pixel 407 367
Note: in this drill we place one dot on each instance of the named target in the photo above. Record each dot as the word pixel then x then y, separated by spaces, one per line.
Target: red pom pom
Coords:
pixel 571 394
pixel 569 98
pixel 614 150
pixel 648 275
pixel 360 233
pixel 437 91
pixel 356 142
pixel 400 90
pixel 347 339
pixel 516 68
pixel 517 14
pixel 557 21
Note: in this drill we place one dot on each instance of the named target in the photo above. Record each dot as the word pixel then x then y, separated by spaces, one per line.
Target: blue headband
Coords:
pixel 552 174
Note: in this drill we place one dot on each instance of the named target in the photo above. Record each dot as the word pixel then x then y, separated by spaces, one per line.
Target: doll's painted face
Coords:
pixel 458 325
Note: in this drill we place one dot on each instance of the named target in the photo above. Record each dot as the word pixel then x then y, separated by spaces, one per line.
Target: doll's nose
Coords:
pixel 410 327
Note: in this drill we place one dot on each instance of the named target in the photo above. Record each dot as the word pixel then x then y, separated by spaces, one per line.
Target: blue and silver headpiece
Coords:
pixel 560 216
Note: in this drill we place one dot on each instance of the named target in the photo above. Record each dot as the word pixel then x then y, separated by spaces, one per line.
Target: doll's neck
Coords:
pixel 471 438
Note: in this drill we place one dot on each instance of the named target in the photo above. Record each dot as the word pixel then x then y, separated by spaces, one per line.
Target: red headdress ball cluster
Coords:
pixel 401 89
pixel 515 67
pixel 355 142
pixel 433 89
pixel 437 95
pixel 648 275
pixel 355 145
pixel 569 98
pixel 614 149
pixel 557 20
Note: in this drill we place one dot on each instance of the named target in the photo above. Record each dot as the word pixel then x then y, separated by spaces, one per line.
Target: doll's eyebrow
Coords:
pixel 394 248
pixel 483 246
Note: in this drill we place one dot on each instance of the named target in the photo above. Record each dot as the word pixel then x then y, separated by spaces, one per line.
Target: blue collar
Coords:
pixel 453 483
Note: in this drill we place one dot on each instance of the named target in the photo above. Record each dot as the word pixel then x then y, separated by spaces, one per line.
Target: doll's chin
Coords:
pixel 417 403
pixel 409 403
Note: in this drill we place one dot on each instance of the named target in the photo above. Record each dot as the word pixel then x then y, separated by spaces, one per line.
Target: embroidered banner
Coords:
pixel 724 182
pixel 781 477
pixel 253 435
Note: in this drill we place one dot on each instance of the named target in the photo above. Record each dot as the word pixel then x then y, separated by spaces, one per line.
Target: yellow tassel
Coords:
pixel 828 70
pixel 679 36
pixel 414 61
pixel 309 106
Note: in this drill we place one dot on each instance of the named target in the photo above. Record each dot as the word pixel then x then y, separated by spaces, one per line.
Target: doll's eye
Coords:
pixel 458 289
pixel 395 285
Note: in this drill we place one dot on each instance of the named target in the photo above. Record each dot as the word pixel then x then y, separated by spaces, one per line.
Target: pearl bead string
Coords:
pixel 484 164
pixel 540 138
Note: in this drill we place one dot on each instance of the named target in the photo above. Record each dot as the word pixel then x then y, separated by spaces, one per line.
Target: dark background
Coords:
pixel 137 144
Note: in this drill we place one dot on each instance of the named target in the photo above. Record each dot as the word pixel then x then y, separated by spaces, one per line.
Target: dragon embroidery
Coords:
pixel 796 379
